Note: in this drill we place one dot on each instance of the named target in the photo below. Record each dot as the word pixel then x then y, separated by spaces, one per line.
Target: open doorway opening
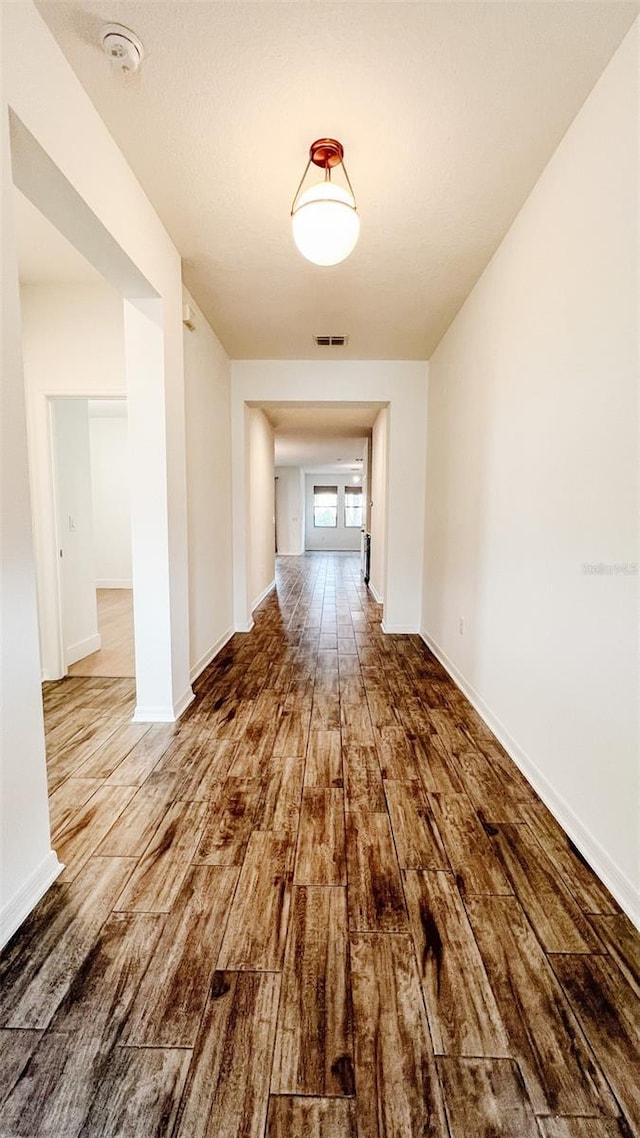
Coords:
pixel 93 528
pixel 148 342
pixel 74 366
pixel 394 393
pixel 324 456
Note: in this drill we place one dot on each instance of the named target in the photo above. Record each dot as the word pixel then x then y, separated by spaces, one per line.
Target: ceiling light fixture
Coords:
pixel 325 219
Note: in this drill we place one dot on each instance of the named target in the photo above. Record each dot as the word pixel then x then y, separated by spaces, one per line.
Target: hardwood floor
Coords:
pixel 116 656
pixel 324 903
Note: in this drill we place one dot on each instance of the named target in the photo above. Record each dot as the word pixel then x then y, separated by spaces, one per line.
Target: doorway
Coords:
pixel 73 342
pixel 89 447
pixel 144 283
pixel 322 459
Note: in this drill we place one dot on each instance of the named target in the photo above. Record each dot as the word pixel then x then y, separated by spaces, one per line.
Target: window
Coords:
pixel 353 506
pixel 325 506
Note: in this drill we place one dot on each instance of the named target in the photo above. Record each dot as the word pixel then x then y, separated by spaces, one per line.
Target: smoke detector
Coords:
pixel 122 46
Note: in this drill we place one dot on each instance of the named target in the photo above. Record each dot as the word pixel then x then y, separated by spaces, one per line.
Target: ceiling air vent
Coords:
pixel 331 341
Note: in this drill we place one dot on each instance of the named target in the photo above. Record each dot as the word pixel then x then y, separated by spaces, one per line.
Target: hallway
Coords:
pixel 325 902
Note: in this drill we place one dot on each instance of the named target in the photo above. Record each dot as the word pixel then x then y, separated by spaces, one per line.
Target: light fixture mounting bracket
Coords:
pixel 326 153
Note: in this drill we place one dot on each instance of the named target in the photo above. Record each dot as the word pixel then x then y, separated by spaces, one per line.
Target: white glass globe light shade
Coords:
pixel 325 224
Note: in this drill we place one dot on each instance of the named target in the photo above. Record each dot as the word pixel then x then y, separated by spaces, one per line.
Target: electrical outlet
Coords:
pixel 461 625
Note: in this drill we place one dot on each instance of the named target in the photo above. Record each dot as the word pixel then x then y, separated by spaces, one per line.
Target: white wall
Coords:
pixel 532 475
pixel 340 538
pixel 74 525
pixel 261 502
pixel 28 865
pixel 290 510
pixel 378 507
pixel 208 418
pixel 111 496
pixel 62 157
pixel 402 384
pixel 73 345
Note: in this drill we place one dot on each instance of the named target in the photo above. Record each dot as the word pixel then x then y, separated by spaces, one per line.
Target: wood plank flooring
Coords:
pixel 116 656
pixel 324 903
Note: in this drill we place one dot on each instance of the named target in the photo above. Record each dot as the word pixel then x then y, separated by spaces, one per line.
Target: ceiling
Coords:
pixel 320 454
pixel 448 112
pixel 323 438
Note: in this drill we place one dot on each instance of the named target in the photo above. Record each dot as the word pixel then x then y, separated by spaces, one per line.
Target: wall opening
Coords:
pixel 138 329
pixel 93 532
pixel 320 451
pixel 74 371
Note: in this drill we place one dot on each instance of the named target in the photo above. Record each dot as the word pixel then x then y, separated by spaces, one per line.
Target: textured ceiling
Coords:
pixel 319 453
pixel 448 112
pixel 338 419
pixel 321 437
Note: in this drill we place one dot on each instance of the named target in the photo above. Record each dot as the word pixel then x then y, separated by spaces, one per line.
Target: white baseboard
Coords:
pixel 18 908
pixel 376 595
pixel 82 648
pixel 398 629
pixel 182 704
pixel 167 714
pixel 265 593
pixel 205 660
pixel 247 627
pixel 624 891
pixel 150 714
pixel 331 549
pixel 114 583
